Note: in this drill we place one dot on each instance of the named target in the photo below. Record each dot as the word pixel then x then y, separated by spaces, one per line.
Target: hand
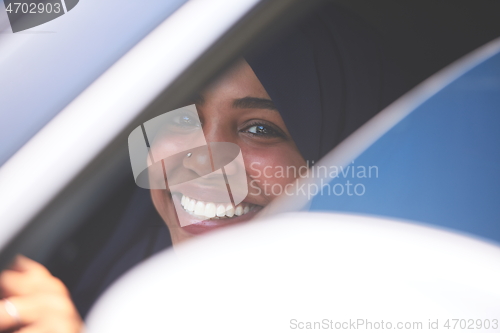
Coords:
pixel 42 302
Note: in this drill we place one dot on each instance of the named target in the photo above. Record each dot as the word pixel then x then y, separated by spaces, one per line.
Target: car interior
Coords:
pixel 100 217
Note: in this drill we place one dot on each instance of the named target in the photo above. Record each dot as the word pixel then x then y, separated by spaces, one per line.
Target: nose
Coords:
pixel 225 153
pixel 199 160
pixel 202 159
pixel 218 129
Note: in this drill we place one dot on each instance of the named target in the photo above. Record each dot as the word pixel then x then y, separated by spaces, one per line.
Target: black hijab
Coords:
pixel 327 78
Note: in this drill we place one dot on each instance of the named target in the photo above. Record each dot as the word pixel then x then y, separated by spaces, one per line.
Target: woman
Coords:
pixel 235 109
pixel 284 107
pixel 288 106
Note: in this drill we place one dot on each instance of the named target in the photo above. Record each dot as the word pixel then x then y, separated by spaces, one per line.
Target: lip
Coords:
pixel 197 227
pixel 208 193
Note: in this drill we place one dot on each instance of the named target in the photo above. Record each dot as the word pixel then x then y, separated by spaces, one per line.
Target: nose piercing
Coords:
pixel 189 154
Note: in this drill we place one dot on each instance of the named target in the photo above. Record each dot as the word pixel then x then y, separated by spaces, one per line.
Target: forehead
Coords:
pixel 238 82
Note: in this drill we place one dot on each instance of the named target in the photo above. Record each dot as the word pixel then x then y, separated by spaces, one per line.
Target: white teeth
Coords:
pixel 230 210
pixel 212 210
pixel 199 209
pixel 190 206
pixel 221 211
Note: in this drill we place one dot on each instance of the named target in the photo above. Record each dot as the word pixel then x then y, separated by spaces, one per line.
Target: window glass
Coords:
pixel 437 166
pixel 234 147
pixel 263 122
pixel 44 68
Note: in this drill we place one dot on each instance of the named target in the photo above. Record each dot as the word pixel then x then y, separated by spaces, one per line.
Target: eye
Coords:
pixel 185 121
pixel 263 130
pixel 260 129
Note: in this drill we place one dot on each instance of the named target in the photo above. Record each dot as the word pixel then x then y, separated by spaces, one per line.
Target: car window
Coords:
pixel 232 128
pixel 436 166
pixel 109 219
pixel 46 67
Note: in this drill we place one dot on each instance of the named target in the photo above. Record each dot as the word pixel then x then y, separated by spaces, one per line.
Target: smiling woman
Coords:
pixel 285 107
pixel 236 109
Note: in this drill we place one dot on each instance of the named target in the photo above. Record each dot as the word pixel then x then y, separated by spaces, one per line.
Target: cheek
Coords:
pixel 158 197
pixel 273 168
pixel 164 206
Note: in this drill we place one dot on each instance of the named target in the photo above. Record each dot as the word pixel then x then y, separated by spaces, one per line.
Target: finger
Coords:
pixel 52 326
pixel 30 329
pixel 29 309
pixel 9 320
pixel 43 328
pixel 13 283
pixel 53 313
pixel 23 264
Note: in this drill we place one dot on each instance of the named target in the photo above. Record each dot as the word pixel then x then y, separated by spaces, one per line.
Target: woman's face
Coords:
pixel 235 109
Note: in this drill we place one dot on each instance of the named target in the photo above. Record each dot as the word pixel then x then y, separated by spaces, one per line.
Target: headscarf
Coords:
pixel 327 77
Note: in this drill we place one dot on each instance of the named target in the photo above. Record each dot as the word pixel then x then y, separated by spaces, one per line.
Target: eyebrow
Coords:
pixel 254 103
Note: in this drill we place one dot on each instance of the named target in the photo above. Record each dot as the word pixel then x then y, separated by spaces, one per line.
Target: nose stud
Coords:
pixel 189 154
